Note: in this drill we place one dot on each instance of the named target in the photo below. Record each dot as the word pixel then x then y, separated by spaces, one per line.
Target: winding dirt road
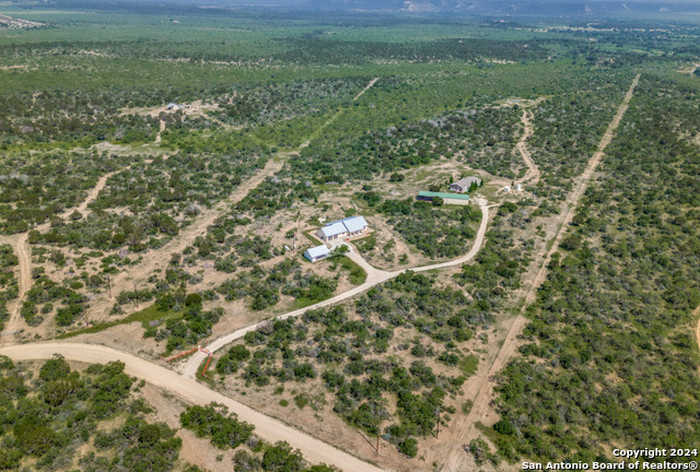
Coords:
pixel 374 278
pixel 266 427
pixel 457 461
pixel 533 172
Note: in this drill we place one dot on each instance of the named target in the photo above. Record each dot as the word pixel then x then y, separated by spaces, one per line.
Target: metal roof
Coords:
pixel 467 181
pixel 318 251
pixel 355 223
pixel 333 229
pixel 444 195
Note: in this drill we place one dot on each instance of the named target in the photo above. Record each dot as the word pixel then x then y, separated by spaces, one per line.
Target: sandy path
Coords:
pixel 481 407
pixel 374 277
pixel 369 86
pixel 266 427
pixel 689 70
pixel 533 172
pixel 91 197
pixel 160 131
pixel 20 245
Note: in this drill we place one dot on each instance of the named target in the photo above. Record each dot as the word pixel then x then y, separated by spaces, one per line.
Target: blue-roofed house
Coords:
pixel 317 253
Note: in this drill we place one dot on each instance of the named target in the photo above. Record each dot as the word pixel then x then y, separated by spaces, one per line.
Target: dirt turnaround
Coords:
pixel 266 427
pixel 458 460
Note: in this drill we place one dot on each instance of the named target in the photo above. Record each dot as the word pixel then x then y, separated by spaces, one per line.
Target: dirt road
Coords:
pixel 20 245
pixel 159 258
pixel 161 128
pixel 266 427
pixel 374 278
pixel 533 172
pixel 369 86
pixel 458 460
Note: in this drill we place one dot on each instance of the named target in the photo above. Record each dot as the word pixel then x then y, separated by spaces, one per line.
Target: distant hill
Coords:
pixel 511 8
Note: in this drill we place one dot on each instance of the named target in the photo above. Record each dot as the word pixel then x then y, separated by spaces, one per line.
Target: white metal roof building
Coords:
pixel 355 224
pixel 350 226
pixel 316 253
pixel 332 231
pixel 464 184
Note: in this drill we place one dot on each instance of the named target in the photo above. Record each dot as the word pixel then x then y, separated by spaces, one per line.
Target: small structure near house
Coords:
pixel 463 185
pixel 341 229
pixel 447 198
pixel 518 187
pixel 172 107
pixel 317 253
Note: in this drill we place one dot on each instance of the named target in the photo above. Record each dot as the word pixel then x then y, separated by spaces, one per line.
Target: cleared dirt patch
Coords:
pixel 20 245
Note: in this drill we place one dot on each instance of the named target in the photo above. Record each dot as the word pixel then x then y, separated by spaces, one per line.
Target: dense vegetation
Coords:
pixel 437 231
pixel 482 137
pixel 46 417
pixel 226 432
pixel 611 357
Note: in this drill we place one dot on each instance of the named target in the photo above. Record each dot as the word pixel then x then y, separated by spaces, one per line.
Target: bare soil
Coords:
pixel 533 172
pixel 19 243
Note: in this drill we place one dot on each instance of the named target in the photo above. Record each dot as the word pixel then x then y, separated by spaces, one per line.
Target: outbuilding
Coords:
pixel 447 198
pixel 463 185
pixel 317 253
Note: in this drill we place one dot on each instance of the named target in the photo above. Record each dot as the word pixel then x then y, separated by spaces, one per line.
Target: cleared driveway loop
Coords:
pixel 374 278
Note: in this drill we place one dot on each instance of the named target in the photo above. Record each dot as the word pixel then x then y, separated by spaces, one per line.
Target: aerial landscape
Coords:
pixel 305 236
